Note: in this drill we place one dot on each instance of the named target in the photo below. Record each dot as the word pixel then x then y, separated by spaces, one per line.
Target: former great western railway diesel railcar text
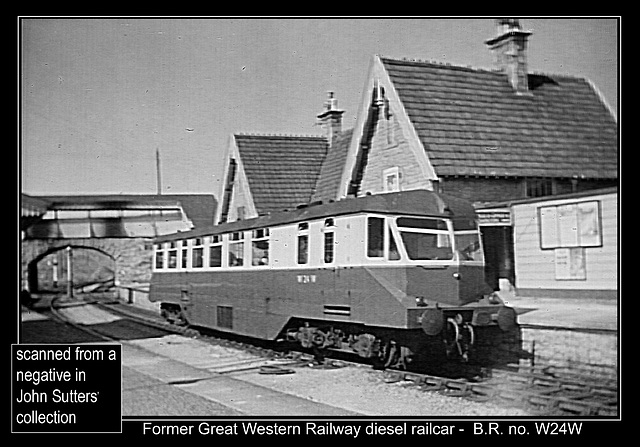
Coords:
pixel 389 277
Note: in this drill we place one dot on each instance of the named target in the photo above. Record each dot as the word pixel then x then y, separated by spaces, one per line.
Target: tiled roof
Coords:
pixel 331 171
pixel 471 122
pixel 281 169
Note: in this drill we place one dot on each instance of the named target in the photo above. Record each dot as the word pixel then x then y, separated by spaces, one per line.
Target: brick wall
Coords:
pixel 481 189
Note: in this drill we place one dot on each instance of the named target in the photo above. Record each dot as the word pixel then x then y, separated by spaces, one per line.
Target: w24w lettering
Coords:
pixel 555 428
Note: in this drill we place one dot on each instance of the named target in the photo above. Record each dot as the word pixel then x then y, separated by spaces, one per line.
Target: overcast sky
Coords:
pixel 99 96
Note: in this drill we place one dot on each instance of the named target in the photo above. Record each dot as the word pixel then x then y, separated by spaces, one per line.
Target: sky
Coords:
pixel 100 96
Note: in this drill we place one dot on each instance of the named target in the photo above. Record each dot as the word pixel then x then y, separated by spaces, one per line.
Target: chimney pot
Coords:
pixel 509 48
pixel 331 118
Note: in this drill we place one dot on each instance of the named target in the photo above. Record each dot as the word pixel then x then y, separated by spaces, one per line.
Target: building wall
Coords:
pixel 482 189
pixel 495 189
pixel 390 149
pixel 592 271
pixel 241 204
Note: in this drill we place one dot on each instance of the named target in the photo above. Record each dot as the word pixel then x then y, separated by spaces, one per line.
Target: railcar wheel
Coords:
pixel 389 355
pixel 459 338
pixel 173 314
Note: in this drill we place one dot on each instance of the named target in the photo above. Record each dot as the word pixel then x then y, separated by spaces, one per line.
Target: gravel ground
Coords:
pixel 366 391
pixel 353 387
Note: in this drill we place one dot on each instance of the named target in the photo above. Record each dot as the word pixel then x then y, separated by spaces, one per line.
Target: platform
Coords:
pixel 569 313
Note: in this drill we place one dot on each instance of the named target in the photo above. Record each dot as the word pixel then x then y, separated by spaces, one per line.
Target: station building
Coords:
pixel 565 245
pixel 491 136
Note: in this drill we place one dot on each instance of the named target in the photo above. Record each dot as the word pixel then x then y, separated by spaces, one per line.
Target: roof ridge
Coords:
pixel 439 63
pixel 479 69
pixel 279 135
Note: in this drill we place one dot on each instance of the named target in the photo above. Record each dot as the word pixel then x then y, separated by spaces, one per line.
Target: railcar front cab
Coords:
pixel 451 297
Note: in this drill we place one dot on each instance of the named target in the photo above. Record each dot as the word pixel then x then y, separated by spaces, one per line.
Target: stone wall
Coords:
pixel 132 256
pixel 580 350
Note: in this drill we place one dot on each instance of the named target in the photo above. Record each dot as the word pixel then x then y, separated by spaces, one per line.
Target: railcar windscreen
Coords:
pixel 427 246
pixel 425 239
pixel 468 245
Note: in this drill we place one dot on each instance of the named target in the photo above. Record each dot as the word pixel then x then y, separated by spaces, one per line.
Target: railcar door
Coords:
pixel 340 244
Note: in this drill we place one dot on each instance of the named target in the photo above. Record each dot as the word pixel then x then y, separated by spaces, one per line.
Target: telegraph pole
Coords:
pixel 158 173
pixel 69 272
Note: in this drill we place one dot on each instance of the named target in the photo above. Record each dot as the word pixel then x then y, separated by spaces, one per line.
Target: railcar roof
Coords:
pixel 416 203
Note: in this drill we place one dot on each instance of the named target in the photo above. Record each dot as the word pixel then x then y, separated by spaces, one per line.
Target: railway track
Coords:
pixel 543 389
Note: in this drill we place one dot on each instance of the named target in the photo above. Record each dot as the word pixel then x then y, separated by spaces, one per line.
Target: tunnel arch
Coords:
pixel 33 276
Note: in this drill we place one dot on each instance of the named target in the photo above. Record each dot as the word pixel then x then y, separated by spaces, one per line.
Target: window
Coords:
pixel 172 255
pixel 391 179
pixel 260 247
pixel 394 253
pixel 375 237
pixel 159 257
pixel 236 249
pixel 240 212
pixel 328 247
pixel 468 246
pixel 425 239
pixel 426 246
pixel 215 251
pixel 422 223
pixel 329 240
pixel 183 254
pixel 197 253
pixel 538 187
pixel 303 243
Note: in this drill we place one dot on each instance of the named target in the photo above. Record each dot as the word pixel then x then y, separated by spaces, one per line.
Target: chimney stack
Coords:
pixel 509 48
pixel 331 118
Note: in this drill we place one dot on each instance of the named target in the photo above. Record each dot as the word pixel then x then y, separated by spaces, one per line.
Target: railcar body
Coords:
pixel 386 276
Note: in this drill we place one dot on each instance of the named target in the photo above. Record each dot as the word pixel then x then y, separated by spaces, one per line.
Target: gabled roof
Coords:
pixel 471 122
pixel 330 176
pixel 281 169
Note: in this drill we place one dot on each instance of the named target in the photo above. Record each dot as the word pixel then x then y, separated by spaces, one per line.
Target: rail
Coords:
pixel 544 388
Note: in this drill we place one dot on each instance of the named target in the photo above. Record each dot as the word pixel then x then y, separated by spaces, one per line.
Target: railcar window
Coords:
pixel 260 247
pixel 183 255
pixel 427 246
pixel 173 256
pixel 375 237
pixel 468 246
pixel 159 262
pixel 303 243
pixel 328 247
pixel 464 224
pixel 236 249
pixel 394 253
pixel 197 253
pixel 426 224
pixel 215 251
pixel 303 249
pixel 329 240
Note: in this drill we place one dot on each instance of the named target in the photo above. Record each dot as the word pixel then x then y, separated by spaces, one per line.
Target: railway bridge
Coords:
pixel 100 240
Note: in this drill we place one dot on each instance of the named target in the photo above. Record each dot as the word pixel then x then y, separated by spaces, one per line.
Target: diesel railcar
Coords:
pixel 389 277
